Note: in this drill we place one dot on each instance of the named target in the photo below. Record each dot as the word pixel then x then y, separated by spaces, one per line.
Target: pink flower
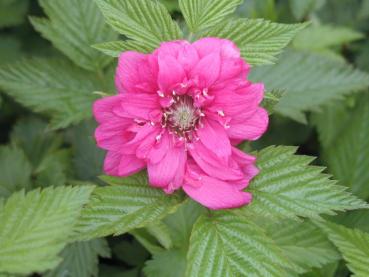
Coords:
pixel 179 112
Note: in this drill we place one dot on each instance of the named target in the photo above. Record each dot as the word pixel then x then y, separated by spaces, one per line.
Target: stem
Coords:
pixel 190 37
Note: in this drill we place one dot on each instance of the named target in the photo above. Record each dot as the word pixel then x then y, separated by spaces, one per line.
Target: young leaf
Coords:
pixel 73 26
pixel 202 14
pixel 260 41
pixel 288 187
pixel 223 244
pixel 309 81
pixel 15 170
pixel 131 203
pixel 49 86
pixel 348 156
pixel 81 259
pixel 145 21
pixel 303 243
pixel 35 227
pixel 353 245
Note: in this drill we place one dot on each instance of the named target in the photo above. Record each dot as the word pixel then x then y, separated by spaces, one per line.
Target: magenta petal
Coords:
pixel 225 47
pixel 103 108
pixel 207 70
pixel 171 73
pixel 163 173
pixel 215 138
pixel 251 128
pixel 215 194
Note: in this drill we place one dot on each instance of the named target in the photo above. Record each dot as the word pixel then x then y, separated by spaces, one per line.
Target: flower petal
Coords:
pixel 116 164
pixel 250 128
pixel 171 73
pixel 225 47
pixel 214 193
pixel 207 70
pixel 135 73
pixel 215 138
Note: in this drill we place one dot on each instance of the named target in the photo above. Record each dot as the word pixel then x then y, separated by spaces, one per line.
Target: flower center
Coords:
pixel 182 117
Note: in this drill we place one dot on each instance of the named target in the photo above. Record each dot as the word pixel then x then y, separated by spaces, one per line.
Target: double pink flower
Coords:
pixel 179 112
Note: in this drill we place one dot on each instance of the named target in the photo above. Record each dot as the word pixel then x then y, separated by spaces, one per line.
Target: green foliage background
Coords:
pixel 60 217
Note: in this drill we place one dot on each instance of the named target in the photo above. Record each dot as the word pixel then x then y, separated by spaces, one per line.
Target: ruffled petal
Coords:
pixel 207 70
pixel 116 164
pixel 215 138
pixel 135 73
pixel 161 174
pixel 214 193
pixel 103 108
pixel 171 73
pixel 250 128
pixel 225 47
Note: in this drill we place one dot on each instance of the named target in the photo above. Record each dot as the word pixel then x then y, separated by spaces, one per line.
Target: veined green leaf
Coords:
pixel 223 244
pixel 168 263
pixel 202 14
pixel 15 170
pixel 309 81
pixel 115 48
pixel 288 187
pixel 324 36
pixel 347 156
pixel 73 26
pixel 260 41
pixel 130 203
pixel 49 86
pixel 81 259
pixel 35 227
pixel 353 245
pixel 303 243
pixel 145 21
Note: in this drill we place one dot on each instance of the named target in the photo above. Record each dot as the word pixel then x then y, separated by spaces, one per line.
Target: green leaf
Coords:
pixel 49 86
pixel 260 41
pixel 324 36
pixel 347 156
pixel 148 22
pixel 115 48
pixel 12 12
pixel 10 49
pixel 131 203
pixel 202 14
pixel 302 8
pixel 73 26
pixel 353 245
pixel 181 222
pixel 170 263
pixel 288 187
pixel 15 170
pixel 32 135
pixel 223 244
pixel 35 227
pixel 271 99
pixel 81 259
pixel 87 158
pixel 131 253
pixel 303 243
pixel 309 81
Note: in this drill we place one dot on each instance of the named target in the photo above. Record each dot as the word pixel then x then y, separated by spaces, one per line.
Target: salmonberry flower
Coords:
pixel 180 112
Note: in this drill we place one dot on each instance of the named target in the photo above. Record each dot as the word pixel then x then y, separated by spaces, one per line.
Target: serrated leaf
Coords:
pixel 223 245
pixel 303 243
pixel 202 14
pixel 260 41
pixel 271 99
pixel 288 187
pixel 324 36
pixel 353 245
pixel 115 48
pixel 35 227
pixel 73 26
pixel 15 170
pixel 81 259
pixel 347 156
pixel 309 81
pixel 49 86
pixel 169 263
pixel 129 204
pixel 144 21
